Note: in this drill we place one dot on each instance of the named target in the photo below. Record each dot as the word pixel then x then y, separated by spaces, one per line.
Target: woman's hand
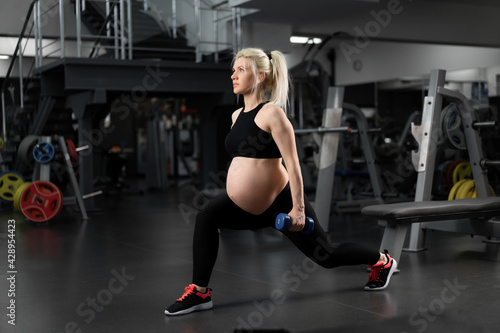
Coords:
pixel 298 219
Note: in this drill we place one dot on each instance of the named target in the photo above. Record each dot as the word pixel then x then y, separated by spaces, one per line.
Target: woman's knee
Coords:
pixel 326 255
pixel 213 213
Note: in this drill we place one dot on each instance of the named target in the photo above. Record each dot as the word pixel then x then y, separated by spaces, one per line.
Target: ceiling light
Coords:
pixel 4 57
pixel 305 40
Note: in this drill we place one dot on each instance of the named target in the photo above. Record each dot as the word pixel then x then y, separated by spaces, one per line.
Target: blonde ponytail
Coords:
pixel 273 65
pixel 280 80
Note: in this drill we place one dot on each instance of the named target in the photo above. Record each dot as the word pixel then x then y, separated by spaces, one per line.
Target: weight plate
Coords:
pixel 452 126
pixel 25 149
pixel 463 170
pixel 454 190
pixel 44 152
pixel 9 182
pixel 17 195
pixel 466 190
pixel 73 154
pixel 41 201
pixel 449 172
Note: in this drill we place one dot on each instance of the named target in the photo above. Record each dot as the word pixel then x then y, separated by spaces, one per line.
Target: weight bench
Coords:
pixel 397 217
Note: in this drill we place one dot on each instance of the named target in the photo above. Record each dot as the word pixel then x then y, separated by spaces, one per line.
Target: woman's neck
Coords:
pixel 251 101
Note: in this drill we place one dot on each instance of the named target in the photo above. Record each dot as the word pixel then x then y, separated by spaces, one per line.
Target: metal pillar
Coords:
pixel 61 28
pixel 216 36
pixel 424 160
pixel 174 19
pixel 78 29
pixel 21 78
pixel 108 24
pixel 38 37
pixel 238 24
pixel 233 23
pixel 129 32
pixel 122 29
pixel 44 169
pixel 197 18
pixel 115 28
pixel 4 126
pixel 328 155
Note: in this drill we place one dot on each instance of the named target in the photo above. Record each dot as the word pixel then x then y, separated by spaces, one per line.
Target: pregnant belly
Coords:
pixel 253 184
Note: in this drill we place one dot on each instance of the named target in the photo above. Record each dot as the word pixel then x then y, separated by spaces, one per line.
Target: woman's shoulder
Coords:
pixel 271 116
pixel 271 110
pixel 235 114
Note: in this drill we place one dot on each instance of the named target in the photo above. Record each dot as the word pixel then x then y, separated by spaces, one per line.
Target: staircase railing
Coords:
pixel 17 54
pixel 221 12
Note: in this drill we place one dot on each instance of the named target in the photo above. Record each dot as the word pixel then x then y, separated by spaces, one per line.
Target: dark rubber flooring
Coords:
pixel 119 270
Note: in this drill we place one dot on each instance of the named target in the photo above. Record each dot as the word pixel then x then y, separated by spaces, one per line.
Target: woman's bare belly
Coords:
pixel 253 183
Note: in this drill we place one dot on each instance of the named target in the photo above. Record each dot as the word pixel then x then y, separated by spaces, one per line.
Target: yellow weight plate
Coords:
pixel 9 182
pixel 18 194
pixel 464 190
pixel 462 171
pixel 454 189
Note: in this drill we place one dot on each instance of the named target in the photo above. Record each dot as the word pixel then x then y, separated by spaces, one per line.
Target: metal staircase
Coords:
pixel 151 38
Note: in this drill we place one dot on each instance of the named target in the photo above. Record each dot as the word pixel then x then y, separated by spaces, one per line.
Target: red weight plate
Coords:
pixel 73 154
pixel 41 201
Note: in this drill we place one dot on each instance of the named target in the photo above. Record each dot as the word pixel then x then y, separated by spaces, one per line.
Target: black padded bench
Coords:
pixel 397 217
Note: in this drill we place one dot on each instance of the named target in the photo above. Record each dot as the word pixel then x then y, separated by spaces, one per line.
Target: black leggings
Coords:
pixel 221 212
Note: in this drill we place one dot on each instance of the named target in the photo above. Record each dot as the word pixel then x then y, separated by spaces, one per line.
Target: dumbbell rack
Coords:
pixel 424 159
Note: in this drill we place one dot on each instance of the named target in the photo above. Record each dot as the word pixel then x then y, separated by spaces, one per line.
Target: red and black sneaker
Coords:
pixel 381 274
pixel 192 300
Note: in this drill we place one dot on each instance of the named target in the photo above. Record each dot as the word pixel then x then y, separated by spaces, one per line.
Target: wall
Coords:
pixel 381 61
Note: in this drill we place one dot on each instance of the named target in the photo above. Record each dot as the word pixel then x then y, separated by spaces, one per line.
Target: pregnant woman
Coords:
pixel 259 186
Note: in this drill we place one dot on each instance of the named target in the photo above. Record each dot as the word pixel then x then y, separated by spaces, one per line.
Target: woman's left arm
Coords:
pixel 283 134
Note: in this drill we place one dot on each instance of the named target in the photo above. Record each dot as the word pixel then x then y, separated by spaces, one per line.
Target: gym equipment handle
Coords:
pixel 323 130
pixel 283 222
pixel 485 163
pixel 479 124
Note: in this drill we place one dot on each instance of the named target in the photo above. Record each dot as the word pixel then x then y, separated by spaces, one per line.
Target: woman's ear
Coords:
pixel 262 77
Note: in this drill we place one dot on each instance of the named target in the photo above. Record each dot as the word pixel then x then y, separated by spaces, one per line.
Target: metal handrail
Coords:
pixel 198 7
pixel 9 70
pixel 104 26
pixel 16 50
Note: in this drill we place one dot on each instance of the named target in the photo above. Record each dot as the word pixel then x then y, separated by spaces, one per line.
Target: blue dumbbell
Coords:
pixel 283 222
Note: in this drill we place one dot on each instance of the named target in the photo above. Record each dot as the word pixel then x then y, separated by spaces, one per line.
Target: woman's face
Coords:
pixel 243 77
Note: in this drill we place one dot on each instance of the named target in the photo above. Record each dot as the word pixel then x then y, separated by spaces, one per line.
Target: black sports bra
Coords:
pixel 246 139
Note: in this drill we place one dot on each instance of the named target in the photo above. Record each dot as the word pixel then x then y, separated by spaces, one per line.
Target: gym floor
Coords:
pixel 119 270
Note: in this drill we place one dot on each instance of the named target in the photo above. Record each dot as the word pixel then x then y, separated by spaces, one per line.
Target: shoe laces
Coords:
pixel 376 269
pixel 187 291
pixel 375 273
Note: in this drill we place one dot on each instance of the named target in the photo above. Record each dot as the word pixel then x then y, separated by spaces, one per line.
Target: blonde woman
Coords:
pixel 259 186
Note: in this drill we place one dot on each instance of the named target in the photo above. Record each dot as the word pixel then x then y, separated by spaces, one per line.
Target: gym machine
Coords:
pixel 475 216
pixel 329 147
